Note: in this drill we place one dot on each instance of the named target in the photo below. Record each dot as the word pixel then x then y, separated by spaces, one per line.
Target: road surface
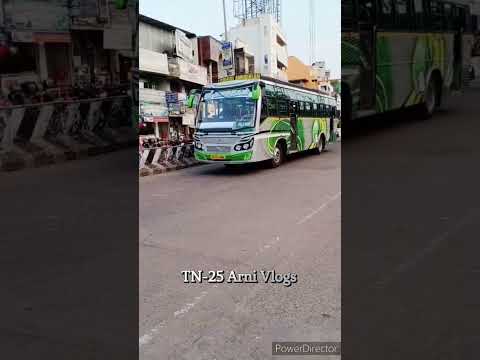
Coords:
pixel 212 218
pixel 68 252
pixel 410 249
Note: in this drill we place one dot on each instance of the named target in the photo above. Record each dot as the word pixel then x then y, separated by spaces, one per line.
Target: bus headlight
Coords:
pixel 244 146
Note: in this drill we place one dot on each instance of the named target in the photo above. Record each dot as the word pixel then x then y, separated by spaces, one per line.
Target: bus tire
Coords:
pixel 321 145
pixel 347 103
pixel 278 156
pixel 432 98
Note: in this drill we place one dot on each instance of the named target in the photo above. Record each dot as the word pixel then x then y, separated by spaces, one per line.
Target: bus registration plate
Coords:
pixel 217 157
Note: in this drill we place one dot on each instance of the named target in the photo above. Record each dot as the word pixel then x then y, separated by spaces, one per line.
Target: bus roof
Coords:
pixel 265 80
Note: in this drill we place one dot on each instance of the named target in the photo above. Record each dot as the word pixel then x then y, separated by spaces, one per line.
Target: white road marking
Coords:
pixel 190 306
pixel 148 337
pixel 323 206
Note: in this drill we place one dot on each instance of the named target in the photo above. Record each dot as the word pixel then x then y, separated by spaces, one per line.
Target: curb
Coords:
pixel 150 169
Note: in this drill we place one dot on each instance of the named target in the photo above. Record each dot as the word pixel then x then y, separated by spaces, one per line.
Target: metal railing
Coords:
pixel 165 155
pixel 65 122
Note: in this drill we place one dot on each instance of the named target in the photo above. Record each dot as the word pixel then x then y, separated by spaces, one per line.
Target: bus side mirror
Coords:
pixel 190 101
pixel 255 94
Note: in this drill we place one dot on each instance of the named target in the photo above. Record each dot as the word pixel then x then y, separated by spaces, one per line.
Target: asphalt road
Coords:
pixel 410 213
pixel 69 260
pixel 212 218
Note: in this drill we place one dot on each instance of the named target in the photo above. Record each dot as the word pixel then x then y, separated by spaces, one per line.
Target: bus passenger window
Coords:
pixel 419 13
pixel 348 15
pixel 436 15
pixel 307 109
pixel 366 11
pixel 402 10
pixel 282 107
pixel 449 17
pixel 272 106
pixel 387 21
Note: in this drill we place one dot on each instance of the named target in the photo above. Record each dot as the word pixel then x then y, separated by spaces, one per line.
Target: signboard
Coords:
pixel 188 118
pixel 152 109
pixel 183 45
pixel 191 72
pixel 227 55
pixel 254 76
pixel 34 15
pixel 171 97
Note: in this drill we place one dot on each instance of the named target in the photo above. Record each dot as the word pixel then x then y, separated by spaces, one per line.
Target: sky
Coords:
pixel 205 17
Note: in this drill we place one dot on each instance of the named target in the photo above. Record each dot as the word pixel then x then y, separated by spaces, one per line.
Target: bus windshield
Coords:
pixel 226 110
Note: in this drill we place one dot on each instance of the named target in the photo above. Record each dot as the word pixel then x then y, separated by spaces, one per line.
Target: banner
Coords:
pixel 191 72
pixel 227 55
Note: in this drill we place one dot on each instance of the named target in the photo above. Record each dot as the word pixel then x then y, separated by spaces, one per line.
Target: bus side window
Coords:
pixel 419 14
pixel 459 19
pixel 308 109
pixel 402 14
pixel 301 108
pixel 366 11
pixel 314 109
pixel 449 16
pixel 282 107
pixel 348 15
pixel 264 110
pixel 386 14
pixel 272 106
pixel 436 19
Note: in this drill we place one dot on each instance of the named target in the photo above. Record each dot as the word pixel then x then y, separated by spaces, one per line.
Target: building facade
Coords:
pixel 301 74
pixel 67 43
pixel 263 44
pixel 169 69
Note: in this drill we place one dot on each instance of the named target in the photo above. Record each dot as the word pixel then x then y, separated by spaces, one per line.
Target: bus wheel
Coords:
pixel 431 99
pixel 278 156
pixel 321 145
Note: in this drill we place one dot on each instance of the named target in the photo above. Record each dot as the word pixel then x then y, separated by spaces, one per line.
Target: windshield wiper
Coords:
pixel 234 131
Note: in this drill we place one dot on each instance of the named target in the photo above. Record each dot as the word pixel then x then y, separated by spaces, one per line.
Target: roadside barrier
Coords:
pixel 163 157
pixel 45 133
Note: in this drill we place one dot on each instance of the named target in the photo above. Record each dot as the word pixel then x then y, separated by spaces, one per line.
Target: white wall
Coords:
pixel 260 35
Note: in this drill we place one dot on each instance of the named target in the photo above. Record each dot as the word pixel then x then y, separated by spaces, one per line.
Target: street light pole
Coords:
pixel 225 21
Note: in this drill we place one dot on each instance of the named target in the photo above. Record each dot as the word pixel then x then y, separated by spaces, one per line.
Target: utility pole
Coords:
pixel 225 21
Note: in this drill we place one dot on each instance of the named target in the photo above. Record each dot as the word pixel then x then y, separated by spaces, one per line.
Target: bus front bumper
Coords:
pixel 239 157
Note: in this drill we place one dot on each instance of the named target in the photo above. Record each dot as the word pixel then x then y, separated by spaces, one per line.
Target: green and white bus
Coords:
pixel 401 53
pixel 260 119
